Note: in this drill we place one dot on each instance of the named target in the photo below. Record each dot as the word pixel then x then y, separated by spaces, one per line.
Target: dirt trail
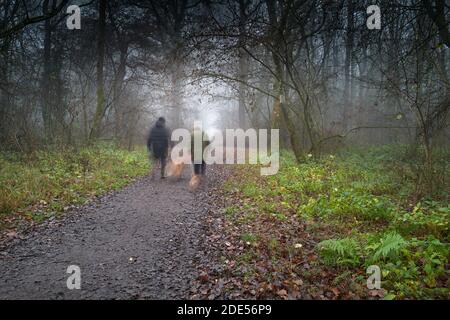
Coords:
pixel 157 223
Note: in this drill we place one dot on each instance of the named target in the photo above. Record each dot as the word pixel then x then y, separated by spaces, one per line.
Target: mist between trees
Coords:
pixel 311 68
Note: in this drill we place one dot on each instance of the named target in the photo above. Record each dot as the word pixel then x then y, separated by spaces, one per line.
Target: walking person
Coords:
pixel 158 144
pixel 199 164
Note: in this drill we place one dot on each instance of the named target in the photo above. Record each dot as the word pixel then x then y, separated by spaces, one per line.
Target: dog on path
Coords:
pixel 194 182
pixel 174 169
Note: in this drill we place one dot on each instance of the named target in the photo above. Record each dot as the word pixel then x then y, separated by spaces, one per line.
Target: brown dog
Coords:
pixel 174 169
pixel 195 182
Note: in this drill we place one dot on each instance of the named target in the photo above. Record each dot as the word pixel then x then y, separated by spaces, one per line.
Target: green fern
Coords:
pixel 389 246
pixel 339 252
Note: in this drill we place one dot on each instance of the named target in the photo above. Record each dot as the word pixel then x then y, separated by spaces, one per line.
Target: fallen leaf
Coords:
pixel 203 277
pixel 377 293
pixel 298 282
pixel 12 234
pixel 282 293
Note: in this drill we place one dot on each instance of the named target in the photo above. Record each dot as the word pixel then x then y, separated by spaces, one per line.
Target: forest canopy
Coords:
pixel 313 68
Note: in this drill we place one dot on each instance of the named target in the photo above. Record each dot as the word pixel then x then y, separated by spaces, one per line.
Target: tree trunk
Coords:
pixel 348 94
pixel 46 75
pixel 96 126
pixel 176 94
pixel 437 14
pixel 280 106
pixel 118 88
pixel 243 63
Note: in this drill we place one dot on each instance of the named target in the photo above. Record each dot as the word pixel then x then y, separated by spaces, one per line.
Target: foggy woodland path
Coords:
pixel 142 242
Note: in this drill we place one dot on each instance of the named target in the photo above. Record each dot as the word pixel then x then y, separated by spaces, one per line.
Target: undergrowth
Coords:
pixel 46 182
pixel 363 208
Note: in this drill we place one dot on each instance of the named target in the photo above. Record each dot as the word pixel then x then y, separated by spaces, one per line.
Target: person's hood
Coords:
pixel 160 124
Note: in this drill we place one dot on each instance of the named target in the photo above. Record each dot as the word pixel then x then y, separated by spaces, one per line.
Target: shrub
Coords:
pixel 347 203
pixel 426 218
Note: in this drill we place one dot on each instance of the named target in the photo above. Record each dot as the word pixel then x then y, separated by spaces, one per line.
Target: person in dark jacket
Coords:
pixel 202 137
pixel 158 143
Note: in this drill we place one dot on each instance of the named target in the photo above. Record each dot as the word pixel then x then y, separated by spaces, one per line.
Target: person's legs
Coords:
pixel 155 162
pixel 197 168
pixel 163 167
pixel 203 167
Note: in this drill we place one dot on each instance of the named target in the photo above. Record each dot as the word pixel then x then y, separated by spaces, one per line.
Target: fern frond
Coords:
pixel 389 245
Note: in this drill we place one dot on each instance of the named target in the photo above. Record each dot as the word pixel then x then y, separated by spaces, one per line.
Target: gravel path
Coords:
pixel 142 242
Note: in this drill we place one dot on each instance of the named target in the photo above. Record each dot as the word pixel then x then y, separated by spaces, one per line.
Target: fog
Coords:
pixel 327 74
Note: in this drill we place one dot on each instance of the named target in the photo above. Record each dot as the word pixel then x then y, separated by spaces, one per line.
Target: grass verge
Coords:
pixel 49 182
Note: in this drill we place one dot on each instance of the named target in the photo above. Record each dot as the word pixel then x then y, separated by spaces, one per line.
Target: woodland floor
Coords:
pixel 142 242
pixel 238 236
